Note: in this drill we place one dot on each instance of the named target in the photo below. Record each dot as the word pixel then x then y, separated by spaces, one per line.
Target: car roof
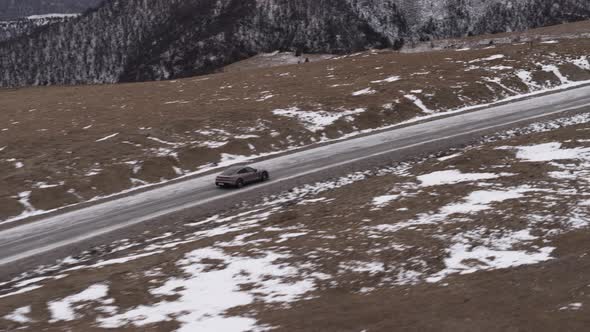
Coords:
pixel 233 169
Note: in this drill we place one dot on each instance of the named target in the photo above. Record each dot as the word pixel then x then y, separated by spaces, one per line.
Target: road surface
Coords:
pixel 35 241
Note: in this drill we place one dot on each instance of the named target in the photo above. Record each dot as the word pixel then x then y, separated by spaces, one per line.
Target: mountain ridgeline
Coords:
pixel 26 26
pixel 15 9
pixel 139 40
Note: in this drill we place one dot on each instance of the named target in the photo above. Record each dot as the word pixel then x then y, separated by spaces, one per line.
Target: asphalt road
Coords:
pixel 43 240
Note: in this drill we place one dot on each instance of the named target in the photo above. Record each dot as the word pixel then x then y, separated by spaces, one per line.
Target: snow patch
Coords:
pixel 212 144
pixel 172 102
pixel 367 91
pixel 207 293
pixel 453 177
pixel 527 79
pixel 106 138
pixel 572 306
pixel 65 309
pixel 553 69
pixel 49 16
pixel 500 67
pixel 581 62
pixel 419 103
pixel 496 253
pixel 21 291
pixel 390 79
pixel 315 121
pixel 287 236
pixel 115 261
pixel 381 201
pixel 445 158
pixel 20 315
pixel 361 267
pixel 547 152
pixel 490 58
pixel 481 200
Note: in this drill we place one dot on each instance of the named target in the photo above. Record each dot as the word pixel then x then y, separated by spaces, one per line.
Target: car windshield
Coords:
pixel 232 170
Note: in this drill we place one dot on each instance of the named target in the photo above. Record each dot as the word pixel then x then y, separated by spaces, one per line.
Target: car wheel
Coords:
pixel 240 183
pixel 264 176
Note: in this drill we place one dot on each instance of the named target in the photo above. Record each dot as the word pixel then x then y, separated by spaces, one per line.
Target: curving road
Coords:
pixel 69 232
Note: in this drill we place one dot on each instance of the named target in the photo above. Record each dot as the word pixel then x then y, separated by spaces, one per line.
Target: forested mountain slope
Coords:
pixel 28 25
pixel 13 9
pixel 137 40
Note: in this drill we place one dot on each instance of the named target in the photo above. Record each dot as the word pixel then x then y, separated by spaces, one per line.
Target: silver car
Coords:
pixel 240 175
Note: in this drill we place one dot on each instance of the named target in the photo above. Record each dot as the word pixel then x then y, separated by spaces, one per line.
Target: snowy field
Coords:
pixel 500 205
pixel 198 124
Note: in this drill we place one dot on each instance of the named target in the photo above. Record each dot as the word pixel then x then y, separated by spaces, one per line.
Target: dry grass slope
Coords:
pixel 64 145
pixel 493 237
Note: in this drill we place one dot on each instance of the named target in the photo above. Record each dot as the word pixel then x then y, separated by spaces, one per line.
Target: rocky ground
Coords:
pixel 65 145
pixel 491 237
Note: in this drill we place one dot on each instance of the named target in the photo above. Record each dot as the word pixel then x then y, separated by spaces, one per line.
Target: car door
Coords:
pixel 243 174
pixel 251 175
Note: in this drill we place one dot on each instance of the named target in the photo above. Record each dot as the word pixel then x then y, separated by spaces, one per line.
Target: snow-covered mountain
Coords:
pixel 15 9
pixel 26 25
pixel 138 40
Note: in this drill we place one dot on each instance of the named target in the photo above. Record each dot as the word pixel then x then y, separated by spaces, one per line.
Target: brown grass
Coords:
pixel 53 131
pixel 524 298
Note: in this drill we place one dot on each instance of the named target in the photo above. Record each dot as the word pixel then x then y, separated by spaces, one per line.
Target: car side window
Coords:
pixel 249 170
pixel 243 171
